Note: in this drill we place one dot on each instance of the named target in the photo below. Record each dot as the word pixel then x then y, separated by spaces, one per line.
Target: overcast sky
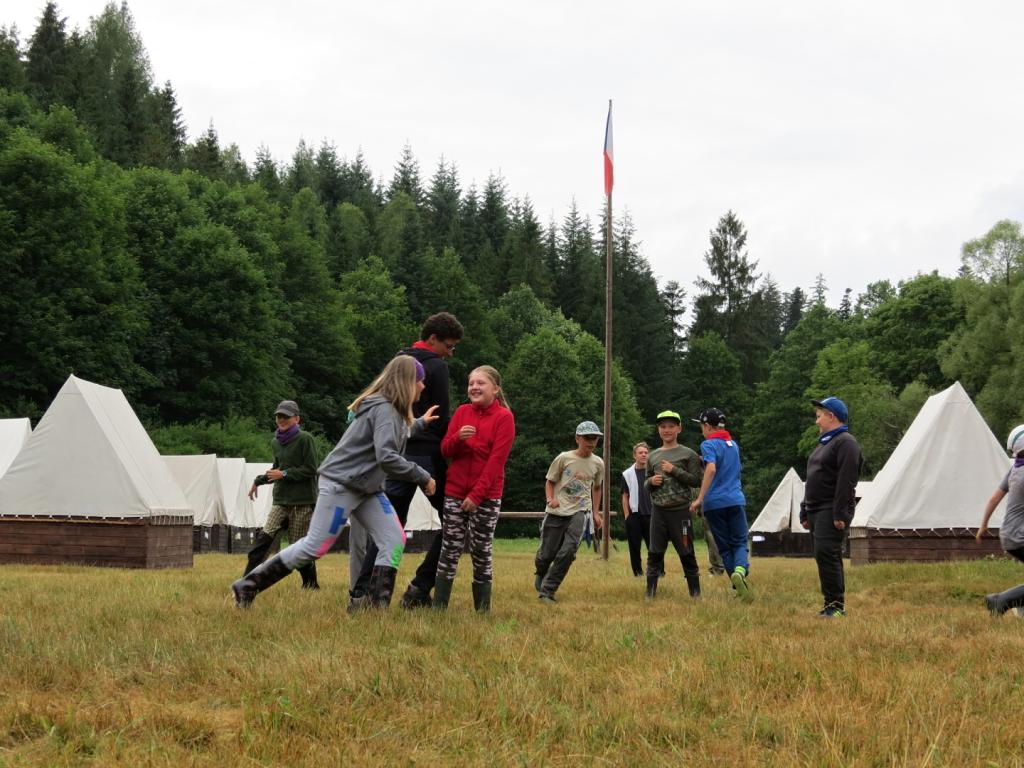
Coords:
pixel 861 140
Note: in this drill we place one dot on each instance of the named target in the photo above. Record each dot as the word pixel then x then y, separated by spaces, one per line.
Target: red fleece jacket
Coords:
pixel 477 469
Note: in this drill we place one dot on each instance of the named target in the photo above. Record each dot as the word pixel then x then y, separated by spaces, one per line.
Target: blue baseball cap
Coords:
pixel 835 405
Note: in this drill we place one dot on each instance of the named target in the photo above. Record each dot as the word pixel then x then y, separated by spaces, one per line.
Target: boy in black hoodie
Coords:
pixel 439 336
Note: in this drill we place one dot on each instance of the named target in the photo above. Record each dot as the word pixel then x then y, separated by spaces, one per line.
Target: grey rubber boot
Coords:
pixel 264 577
pixel 382 586
pixel 1001 602
pixel 442 593
pixel 482 597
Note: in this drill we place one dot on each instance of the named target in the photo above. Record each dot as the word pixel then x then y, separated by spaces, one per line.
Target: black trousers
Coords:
pixel 828 554
pixel 638 528
pixel 400 495
pixel 671 526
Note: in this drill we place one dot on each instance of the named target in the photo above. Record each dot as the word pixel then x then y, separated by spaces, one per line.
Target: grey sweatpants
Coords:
pixel 559 540
pixel 334 506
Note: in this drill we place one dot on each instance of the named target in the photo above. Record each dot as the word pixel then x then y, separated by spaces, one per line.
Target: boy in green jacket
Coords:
pixel 673 472
pixel 294 476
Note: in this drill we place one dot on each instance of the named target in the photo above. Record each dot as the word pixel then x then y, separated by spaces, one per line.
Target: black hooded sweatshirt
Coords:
pixel 435 392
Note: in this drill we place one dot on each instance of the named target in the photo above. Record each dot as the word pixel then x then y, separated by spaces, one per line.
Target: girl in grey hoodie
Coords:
pixel 351 484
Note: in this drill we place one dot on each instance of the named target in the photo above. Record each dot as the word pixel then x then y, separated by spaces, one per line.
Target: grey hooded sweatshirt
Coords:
pixel 371 449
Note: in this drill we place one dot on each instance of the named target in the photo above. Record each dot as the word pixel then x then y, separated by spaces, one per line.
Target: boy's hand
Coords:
pixel 554 503
pixel 666 466
pixel 253 492
pixel 273 475
pixel 430 415
pixel 695 506
pixel 657 480
pixel 430 487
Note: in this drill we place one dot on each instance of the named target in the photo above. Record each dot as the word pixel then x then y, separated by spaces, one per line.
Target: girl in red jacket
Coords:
pixel 477 444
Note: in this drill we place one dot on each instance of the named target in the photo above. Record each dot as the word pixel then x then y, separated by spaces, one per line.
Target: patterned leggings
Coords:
pixel 479 527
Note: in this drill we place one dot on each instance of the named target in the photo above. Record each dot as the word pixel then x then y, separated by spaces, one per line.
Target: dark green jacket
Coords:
pixel 299 460
pixel 677 488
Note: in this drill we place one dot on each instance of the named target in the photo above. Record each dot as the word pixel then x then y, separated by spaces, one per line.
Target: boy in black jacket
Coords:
pixel 829 498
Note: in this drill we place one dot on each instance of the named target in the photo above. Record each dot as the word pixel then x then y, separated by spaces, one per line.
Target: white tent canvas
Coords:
pixel 198 478
pixel 782 512
pixel 13 434
pixel 90 456
pixel 264 494
pixel 941 473
pixel 234 490
pixel 422 515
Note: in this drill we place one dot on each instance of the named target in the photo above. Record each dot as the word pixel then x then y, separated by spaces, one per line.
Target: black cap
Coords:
pixel 710 416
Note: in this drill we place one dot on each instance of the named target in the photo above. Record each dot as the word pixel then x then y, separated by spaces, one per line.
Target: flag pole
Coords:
pixel 606 496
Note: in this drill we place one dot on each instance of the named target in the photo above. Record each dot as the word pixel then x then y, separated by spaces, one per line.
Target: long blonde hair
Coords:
pixel 492 373
pixel 396 384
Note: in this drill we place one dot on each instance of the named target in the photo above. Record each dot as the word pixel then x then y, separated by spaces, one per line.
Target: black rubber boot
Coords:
pixel 415 597
pixel 693 583
pixel 382 586
pixel 308 573
pixel 258 551
pixel 264 577
pixel 652 587
pixel 442 593
pixel 481 597
pixel 1000 603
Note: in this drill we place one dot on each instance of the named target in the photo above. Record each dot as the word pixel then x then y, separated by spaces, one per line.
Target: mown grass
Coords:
pixel 129 668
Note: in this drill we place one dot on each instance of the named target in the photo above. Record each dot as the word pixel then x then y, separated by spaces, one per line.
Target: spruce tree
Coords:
pixel 12 68
pixel 47 64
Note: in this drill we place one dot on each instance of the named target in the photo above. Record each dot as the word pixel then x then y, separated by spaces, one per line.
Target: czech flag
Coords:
pixel 609 170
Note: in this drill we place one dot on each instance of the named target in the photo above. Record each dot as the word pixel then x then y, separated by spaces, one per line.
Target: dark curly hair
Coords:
pixel 444 325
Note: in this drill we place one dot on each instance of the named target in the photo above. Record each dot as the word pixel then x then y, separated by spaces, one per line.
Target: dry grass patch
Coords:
pixel 109 667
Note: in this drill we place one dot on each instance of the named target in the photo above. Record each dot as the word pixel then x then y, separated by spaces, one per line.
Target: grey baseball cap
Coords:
pixel 588 428
pixel 288 408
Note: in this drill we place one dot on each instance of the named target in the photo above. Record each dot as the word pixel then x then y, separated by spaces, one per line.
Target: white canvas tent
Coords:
pixel 264 494
pixel 238 509
pixel 782 512
pixel 941 473
pixel 422 515
pixel 198 478
pixel 89 487
pixel 13 434
pixel 927 501
pixel 90 457
pixel 422 525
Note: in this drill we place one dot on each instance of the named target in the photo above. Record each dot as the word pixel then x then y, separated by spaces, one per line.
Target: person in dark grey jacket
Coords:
pixel 351 484
pixel 830 497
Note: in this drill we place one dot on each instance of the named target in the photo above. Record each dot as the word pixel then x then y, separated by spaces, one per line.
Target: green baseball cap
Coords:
pixel 669 415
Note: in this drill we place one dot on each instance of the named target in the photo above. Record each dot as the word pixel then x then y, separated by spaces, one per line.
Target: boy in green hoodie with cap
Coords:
pixel 673 472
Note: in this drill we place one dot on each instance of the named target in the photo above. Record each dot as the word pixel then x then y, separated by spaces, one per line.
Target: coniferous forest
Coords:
pixel 209 288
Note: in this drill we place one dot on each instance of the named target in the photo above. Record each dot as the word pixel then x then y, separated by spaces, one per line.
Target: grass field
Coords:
pixel 133 668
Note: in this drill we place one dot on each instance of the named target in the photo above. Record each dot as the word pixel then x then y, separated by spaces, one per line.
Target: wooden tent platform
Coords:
pixel 120 543
pixel 781 544
pixel 871 545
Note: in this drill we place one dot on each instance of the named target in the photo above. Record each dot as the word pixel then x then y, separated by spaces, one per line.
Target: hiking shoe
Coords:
pixel 739 583
pixel 832 612
pixel 547 599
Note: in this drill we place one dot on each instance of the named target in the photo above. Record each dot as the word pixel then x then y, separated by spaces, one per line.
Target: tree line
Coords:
pixel 208 289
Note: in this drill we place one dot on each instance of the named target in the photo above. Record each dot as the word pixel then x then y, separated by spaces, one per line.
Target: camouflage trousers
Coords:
pixel 294 519
pixel 478 528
